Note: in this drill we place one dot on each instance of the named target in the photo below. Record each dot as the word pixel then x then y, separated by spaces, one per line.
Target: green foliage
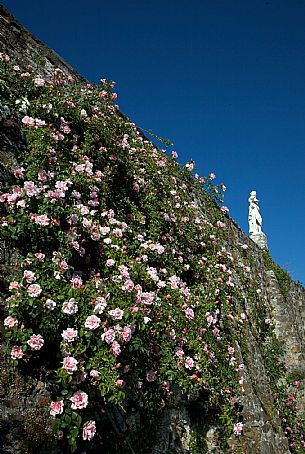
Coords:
pixel 166 142
pixel 289 399
pixel 198 443
pixel 273 351
pixel 282 276
pixel 123 289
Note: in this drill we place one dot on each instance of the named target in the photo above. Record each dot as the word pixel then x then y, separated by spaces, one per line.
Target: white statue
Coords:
pixel 254 218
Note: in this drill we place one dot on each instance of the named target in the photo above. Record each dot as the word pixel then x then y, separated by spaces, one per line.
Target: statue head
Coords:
pixel 253 196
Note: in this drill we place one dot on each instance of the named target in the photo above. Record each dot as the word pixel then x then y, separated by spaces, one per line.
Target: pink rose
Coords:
pixel 238 428
pixel 94 373
pixel 35 342
pixel 69 334
pixel 16 352
pixel 100 305
pixel 220 224
pixel 189 363
pixel 69 364
pixel 79 400
pixel 120 383
pixel 70 307
pixel 50 304
pixel 14 286
pixel 89 430
pixel 56 408
pixel 128 286
pixel 39 81
pixel 189 313
pixel 40 256
pixel 34 290
pixel 126 333
pixel 110 262
pixel 115 348
pixel 108 336
pixel 9 322
pixel 145 298
pixel 28 121
pixel 116 314
pixel 31 191
pixel 29 276
pixel 76 281
pixel 40 122
pixel 179 352
pixel 118 232
pixel 42 220
pixel 92 322
pixel 105 230
pixel 151 376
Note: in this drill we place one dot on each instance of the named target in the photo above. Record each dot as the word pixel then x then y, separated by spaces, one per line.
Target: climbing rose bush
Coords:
pixel 122 288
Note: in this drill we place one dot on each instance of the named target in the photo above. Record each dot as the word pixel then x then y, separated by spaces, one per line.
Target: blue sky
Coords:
pixel 224 80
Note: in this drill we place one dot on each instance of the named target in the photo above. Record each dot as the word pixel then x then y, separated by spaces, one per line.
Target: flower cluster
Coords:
pixel 122 270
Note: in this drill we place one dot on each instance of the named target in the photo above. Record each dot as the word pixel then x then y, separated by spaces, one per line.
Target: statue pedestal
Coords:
pixel 260 239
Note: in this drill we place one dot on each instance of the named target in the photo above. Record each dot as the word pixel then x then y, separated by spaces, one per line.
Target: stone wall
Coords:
pixel 26 49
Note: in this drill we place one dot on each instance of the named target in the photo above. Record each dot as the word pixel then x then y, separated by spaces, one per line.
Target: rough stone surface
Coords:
pixel 26 49
pixel 24 427
pixel 260 239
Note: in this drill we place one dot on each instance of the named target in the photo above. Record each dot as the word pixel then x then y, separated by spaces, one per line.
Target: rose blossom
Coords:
pixel 115 348
pixel 35 342
pixel 145 298
pixel 70 364
pixel 29 276
pixel 92 322
pixel 238 428
pixel 126 333
pixel 108 336
pixel 189 313
pixel 120 383
pixel 42 220
pixel 50 304
pixel 110 262
pixel 56 408
pixel 34 290
pixel 79 400
pixel 116 314
pixel 151 376
pixel 14 286
pixel 28 121
pixel 76 281
pixel 16 352
pixel 69 334
pixel 128 286
pixel 179 352
pixel 189 363
pixel 9 322
pixel 89 430
pixel 70 307
pixel 40 256
pixel 94 373
pixel 100 305
pixel 39 81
